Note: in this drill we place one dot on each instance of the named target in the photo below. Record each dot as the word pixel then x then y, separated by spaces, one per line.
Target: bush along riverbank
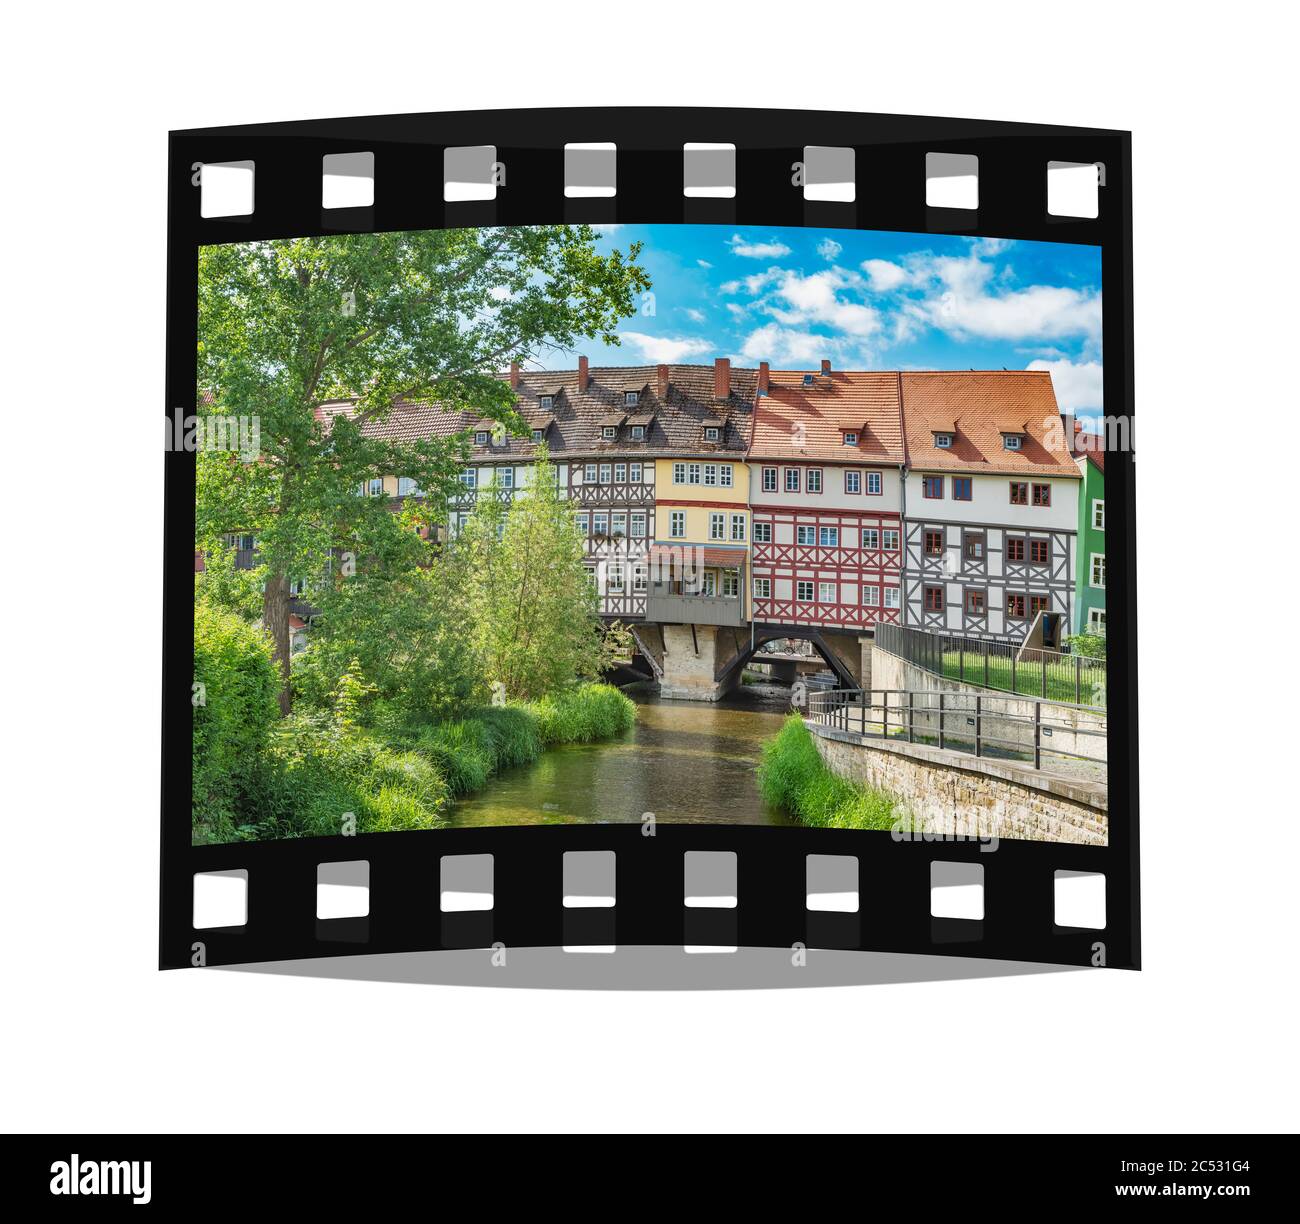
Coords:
pixel 794 777
pixel 320 770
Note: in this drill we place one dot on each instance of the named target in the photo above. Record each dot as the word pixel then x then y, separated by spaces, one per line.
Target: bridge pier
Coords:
pixel 692 654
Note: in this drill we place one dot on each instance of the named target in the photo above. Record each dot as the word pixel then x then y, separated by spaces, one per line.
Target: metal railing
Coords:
pixel 983 725
pixel 1048 674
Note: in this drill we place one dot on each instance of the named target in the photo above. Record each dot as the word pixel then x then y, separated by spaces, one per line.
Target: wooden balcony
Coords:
pixel 673 609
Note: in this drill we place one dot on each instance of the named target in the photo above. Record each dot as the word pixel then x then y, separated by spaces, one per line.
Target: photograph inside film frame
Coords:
pixel 598 524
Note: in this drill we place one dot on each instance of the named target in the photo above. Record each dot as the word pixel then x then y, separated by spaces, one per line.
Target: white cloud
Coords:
pixel 704 263
pixel 883 275
pixel 829 249
pixel 666 348
pixel 611 227
pixel 1077 386
pixel 821 299
pixel 695 316
pixel 790 346
pixel 753 284
pixel 757 250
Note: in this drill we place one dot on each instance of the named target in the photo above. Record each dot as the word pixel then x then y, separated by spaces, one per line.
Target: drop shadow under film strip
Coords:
pixel 903 889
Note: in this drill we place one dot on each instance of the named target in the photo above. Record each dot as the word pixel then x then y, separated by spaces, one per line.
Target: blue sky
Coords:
pixel 867 300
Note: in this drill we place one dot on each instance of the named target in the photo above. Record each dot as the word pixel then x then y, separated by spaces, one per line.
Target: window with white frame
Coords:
pixel 546 402
pixel 730 584
pixel 480 437
pixel 600 523
pixel 711 433
pixel 710 473
pixel 634 473
pixel 738 527
pixel 538 434
pixel 630 398
pixel 828 537
pixel 769 480
pixel 724 475
pixel 605 472
pixel 1098 514
pixel 873 483
pixel 762 588
pixel 870 537
pixel 620 473
pixel 852 481
pixel 825 592
pixel 792 480
pixel 679 473
pixel 506 478
pixel 609 432
pixel 469 478
pixel 375 487
pixel 850 437
pixel 889 539
pixel 583 522
pixel 803 591
pixel 943 441
pixel 814 480
pixel 805 534
pixel 1098 578
pixel 708 583
pixel 638 433
pixel 614 578
pixel 1011 442
pixel 677 524
pixel 762 533
pixel 717 526
pixel 693 473
pixel 638 524
pixel 871 596
pixel 891 597
pixel 618 523
pixel 1097 620
pixel 639 579
pixel 589 473
pixel 406 487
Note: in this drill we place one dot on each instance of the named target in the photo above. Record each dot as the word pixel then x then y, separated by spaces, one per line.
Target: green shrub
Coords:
pixel 793 776
pixel 233 713
pixel 580 715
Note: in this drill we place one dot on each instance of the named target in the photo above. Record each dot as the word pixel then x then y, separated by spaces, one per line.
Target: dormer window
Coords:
pixel 1011 441
pixel 630 398
pixel 943 441
pixel 850 437
pixel 537 436
pixel 481 437
pixel 546 402
pixel 609 432
pixel 711 433
pixel 638 433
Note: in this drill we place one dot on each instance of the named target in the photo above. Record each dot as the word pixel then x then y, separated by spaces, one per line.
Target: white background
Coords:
pixel 94 1037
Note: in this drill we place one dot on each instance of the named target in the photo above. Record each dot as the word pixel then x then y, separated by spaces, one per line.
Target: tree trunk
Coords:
pixel 275 616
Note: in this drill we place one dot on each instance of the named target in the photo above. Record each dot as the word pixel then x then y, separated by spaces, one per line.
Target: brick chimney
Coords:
pixel 826 367
pixel 661 384
pixel 583 377
pixel 721 378
pixel 514 376
pixel 764 377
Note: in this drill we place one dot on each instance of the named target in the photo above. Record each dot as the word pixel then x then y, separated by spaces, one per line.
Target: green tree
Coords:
pixel 533 603
pixel 287 326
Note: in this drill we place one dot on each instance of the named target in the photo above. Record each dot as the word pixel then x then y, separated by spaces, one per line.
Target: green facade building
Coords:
pixel 1090 581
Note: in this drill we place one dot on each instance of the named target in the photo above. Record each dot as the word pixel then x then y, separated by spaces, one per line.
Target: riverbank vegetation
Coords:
pixel 452 633
pixel 794 777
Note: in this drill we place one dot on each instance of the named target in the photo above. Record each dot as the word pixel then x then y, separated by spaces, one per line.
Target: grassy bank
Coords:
pixel 794 778
pixel 315 771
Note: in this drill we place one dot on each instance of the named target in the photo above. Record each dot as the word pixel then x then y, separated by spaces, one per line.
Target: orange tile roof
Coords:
pixel 980 404
pixel 795 421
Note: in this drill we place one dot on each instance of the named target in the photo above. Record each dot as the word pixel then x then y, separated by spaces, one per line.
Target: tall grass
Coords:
pixel 793 776
pixel 317 776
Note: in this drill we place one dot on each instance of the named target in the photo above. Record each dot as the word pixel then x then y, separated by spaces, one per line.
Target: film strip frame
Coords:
pixel 527 906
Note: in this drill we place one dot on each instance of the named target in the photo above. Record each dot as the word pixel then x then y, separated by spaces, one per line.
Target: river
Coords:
pixel 688 762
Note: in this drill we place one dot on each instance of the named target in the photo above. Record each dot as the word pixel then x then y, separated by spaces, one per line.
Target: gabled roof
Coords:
pixel 979 403
pixel 673 422
pixel 798 422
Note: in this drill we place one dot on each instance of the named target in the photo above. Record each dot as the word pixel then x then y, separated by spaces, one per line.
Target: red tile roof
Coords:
pixel 798 421
pixel 976 406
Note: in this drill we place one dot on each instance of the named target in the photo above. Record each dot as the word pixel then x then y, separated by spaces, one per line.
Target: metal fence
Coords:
pixel 1071 678
pixel 1058 733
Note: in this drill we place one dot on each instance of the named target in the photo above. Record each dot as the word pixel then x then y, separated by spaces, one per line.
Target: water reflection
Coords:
pixel 687 762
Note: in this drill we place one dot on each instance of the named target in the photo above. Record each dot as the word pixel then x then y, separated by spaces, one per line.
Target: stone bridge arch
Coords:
pixel 842 652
